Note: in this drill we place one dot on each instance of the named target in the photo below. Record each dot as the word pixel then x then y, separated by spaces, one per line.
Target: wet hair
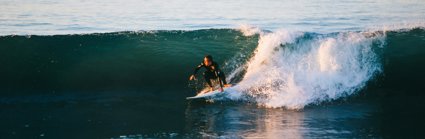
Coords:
pixel 209 57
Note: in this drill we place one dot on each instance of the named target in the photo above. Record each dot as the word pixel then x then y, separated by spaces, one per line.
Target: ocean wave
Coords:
pixel 282 68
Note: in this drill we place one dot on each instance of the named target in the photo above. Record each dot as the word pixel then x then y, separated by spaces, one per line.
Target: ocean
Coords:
pixel 120 69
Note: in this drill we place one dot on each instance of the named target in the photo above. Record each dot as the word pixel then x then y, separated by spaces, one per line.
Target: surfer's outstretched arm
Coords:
pixel 197 68
pixel 196 71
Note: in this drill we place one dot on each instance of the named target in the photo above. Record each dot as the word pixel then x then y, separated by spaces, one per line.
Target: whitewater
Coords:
pixel 293 69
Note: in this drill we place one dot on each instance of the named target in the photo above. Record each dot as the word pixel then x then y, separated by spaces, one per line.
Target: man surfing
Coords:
pixel 212 72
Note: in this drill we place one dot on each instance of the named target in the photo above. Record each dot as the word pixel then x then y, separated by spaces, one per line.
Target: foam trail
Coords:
pixel 291 70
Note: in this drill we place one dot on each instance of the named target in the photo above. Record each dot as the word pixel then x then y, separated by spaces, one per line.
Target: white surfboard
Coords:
pixel 208 94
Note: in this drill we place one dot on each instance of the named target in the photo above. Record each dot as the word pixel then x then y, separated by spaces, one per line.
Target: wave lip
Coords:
pixel 293 69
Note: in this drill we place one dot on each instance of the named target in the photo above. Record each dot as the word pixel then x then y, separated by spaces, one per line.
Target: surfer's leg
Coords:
pixel 207 77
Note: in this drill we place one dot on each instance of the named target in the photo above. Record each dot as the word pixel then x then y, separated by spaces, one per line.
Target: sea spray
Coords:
pixel 292 69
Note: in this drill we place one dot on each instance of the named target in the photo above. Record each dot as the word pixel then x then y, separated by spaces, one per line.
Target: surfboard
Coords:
pixel 208 94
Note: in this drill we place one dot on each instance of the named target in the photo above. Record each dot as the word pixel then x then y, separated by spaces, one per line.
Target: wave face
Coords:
pixel 273 69
pixel 122 61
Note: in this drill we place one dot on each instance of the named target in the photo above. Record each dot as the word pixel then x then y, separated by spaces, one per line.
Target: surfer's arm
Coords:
pixel 217 73
pixel 192 77
pixel 197 68
pixel 221 76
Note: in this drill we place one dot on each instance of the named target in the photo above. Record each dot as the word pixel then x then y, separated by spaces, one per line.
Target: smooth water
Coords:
pixel 25 17
pixel 322 69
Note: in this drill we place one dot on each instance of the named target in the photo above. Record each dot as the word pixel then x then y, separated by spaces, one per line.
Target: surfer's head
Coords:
pixel 208 60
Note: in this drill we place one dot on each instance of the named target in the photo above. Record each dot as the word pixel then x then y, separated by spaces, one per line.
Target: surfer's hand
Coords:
pixel 192 77
pixel 221 89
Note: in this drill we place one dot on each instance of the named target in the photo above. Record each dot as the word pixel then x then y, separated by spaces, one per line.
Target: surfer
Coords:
pixel 212 72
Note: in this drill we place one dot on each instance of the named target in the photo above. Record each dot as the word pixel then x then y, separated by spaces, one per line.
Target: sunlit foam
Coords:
pixel 291 71
pixel 249 30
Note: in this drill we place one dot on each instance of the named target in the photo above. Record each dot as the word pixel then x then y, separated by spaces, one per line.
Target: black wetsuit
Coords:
pixel 212 72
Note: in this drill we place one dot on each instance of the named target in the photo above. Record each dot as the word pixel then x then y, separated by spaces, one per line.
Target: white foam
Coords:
pixel 249 30
pixel 405 26
pixel 310 71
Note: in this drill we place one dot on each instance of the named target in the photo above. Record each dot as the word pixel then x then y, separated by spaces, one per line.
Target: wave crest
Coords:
pixel 294 69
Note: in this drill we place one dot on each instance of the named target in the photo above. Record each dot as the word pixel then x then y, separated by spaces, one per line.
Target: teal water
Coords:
pixel 113 61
